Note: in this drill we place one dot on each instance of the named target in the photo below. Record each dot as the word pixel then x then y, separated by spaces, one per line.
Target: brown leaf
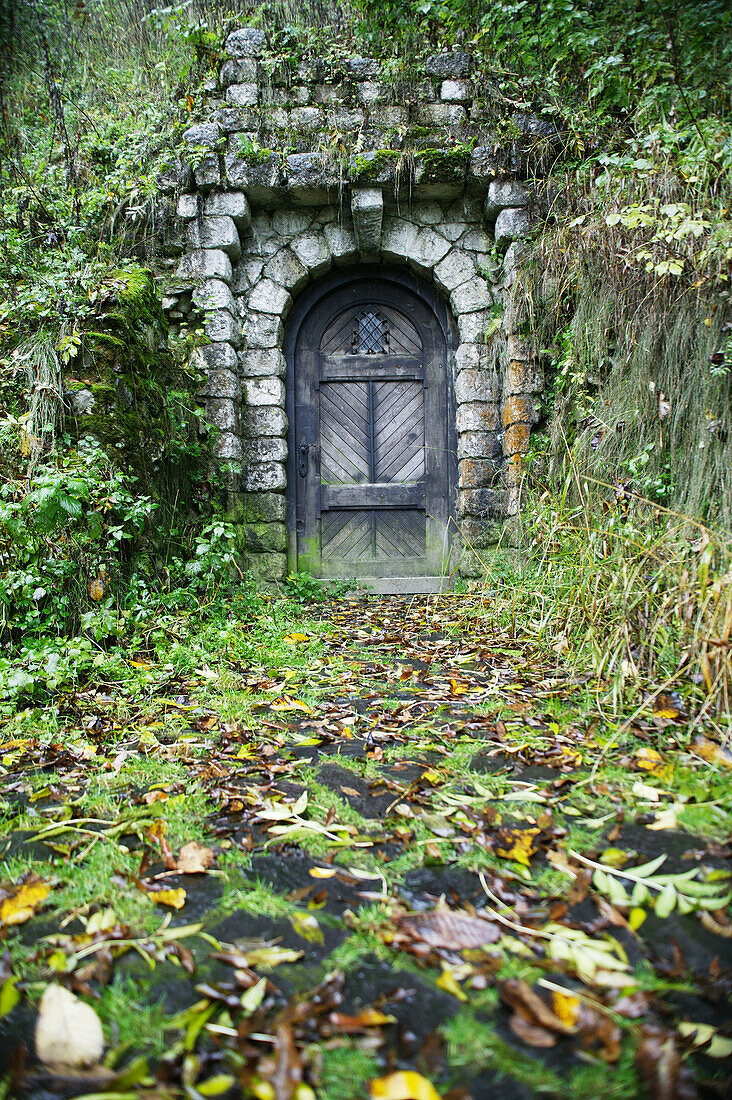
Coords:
pixel 658 1062
pixel 451 929
pixel 521 997
pixel 194 858
pixel 532 1034
pixel 516 842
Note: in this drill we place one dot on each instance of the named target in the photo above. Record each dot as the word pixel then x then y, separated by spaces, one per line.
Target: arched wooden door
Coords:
pixel 371 431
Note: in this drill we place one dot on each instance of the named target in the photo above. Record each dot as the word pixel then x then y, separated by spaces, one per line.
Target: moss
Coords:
pixel 444 165
pixel 368 166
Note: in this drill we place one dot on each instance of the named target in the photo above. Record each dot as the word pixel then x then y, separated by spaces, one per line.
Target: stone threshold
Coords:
pixel 397 586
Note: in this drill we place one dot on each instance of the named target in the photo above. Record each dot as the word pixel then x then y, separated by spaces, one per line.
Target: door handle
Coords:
pixel 302 463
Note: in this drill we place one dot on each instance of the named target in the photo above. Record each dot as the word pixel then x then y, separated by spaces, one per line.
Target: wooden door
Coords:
pixel 371 436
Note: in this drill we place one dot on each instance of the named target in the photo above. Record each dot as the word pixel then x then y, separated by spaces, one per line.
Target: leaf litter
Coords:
pixel 483 860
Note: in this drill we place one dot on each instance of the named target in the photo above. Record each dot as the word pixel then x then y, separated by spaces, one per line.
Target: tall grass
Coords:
pixel 632 595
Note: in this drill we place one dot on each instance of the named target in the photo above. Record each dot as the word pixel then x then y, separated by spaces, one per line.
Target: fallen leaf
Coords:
pixel 307 926
pixel 706 1036
pixel 566 1008
pixel 68 1032
pixel 451 929
pixel 366 1018
pixel 658 1061
pixel 532 1034
pixel 294 638
pixel 712 753
pixel 194 858
pixel 406 1085
pixel 23 902
pixel 521 997
pixel 449 984
pixel 323 872
pixel 517 843
pixel 174 898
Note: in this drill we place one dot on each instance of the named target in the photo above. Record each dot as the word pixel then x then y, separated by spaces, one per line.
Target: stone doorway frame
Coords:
pixel 314 293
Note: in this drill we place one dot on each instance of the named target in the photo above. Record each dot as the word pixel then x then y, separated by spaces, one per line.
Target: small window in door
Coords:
pixel 370 334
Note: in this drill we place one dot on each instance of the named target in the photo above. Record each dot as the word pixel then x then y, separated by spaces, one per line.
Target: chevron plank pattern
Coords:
pixel 398 431
pixel 345 433
pixel 369 535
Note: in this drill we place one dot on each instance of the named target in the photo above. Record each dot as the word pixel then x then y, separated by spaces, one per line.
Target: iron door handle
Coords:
pixel 302 464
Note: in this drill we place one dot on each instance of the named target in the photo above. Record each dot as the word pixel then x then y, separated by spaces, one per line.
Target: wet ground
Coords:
pixel 416 852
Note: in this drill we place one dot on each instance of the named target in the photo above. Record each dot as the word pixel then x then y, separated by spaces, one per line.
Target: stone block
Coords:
pixel 523 378
pixel 261 421
pixel 471 327
pixel 369 93
pixel 346 121
pixel 206 134
pixel 341 242
pixel 387 116
pixel 448 65
pixel 441 114
pixel 275 118
pixel 216 233
pixel 269 297
pixel 205 263
pixel 313 253
pixel 474 563
pixel 263 330
pixel 264 477
pixel 82 402
pixel 476 385
pixel 222 413
pixel 478 416
pixel 520 410
pixel 214 294
pixel 218 357
pixel 489 161
pixel 512 262
pixel 479 533
pixel 259 177
pixel 264 391
pixel 472 357
pixel 246 42
pixel 429 248
pixel 503 194
pixel 207 173
pixel 187 207
pixel 510 226
pixel 367 209
pixel 330 95
pixel 479 445
pixel 270 449
pixel 229 204
pixel 266 569
pixel 471 296
pixel 236 120
pixel 489 503
pixel 311 178
pixel 307 119
pixel 264 508
pixel 291 223
pixel 398 239
pixel 221 327
pixel 264 538
pixel 226 446
pixel 262 363
pixel 241 71
pixel 285 268
pixel 455 91
pixel 242 95
pixel 519 349
pixel 221 383
pixel 455 269
pixel 361 68
pixel 477 473
pixel 516 439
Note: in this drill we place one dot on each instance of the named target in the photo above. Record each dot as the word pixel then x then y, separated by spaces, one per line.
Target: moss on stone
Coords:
pixel 443 165
pixel 367 166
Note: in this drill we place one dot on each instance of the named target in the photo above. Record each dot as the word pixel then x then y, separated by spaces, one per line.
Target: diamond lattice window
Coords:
pixel 370 335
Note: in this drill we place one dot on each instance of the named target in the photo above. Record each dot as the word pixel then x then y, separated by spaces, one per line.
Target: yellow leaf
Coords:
pixel 648 760
pixel 712 753
pixel 293 639
pixel 566 1007
pixel 96 589
pixel 175 899
pixel 21 905
pixel 447 982
pixel 517 844
pixel 307 926
pixel 287 702
pixel 323 872
pixel 636 918
pixel 406 1085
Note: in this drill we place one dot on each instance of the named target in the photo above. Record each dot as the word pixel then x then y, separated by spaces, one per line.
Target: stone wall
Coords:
pixel 303 166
